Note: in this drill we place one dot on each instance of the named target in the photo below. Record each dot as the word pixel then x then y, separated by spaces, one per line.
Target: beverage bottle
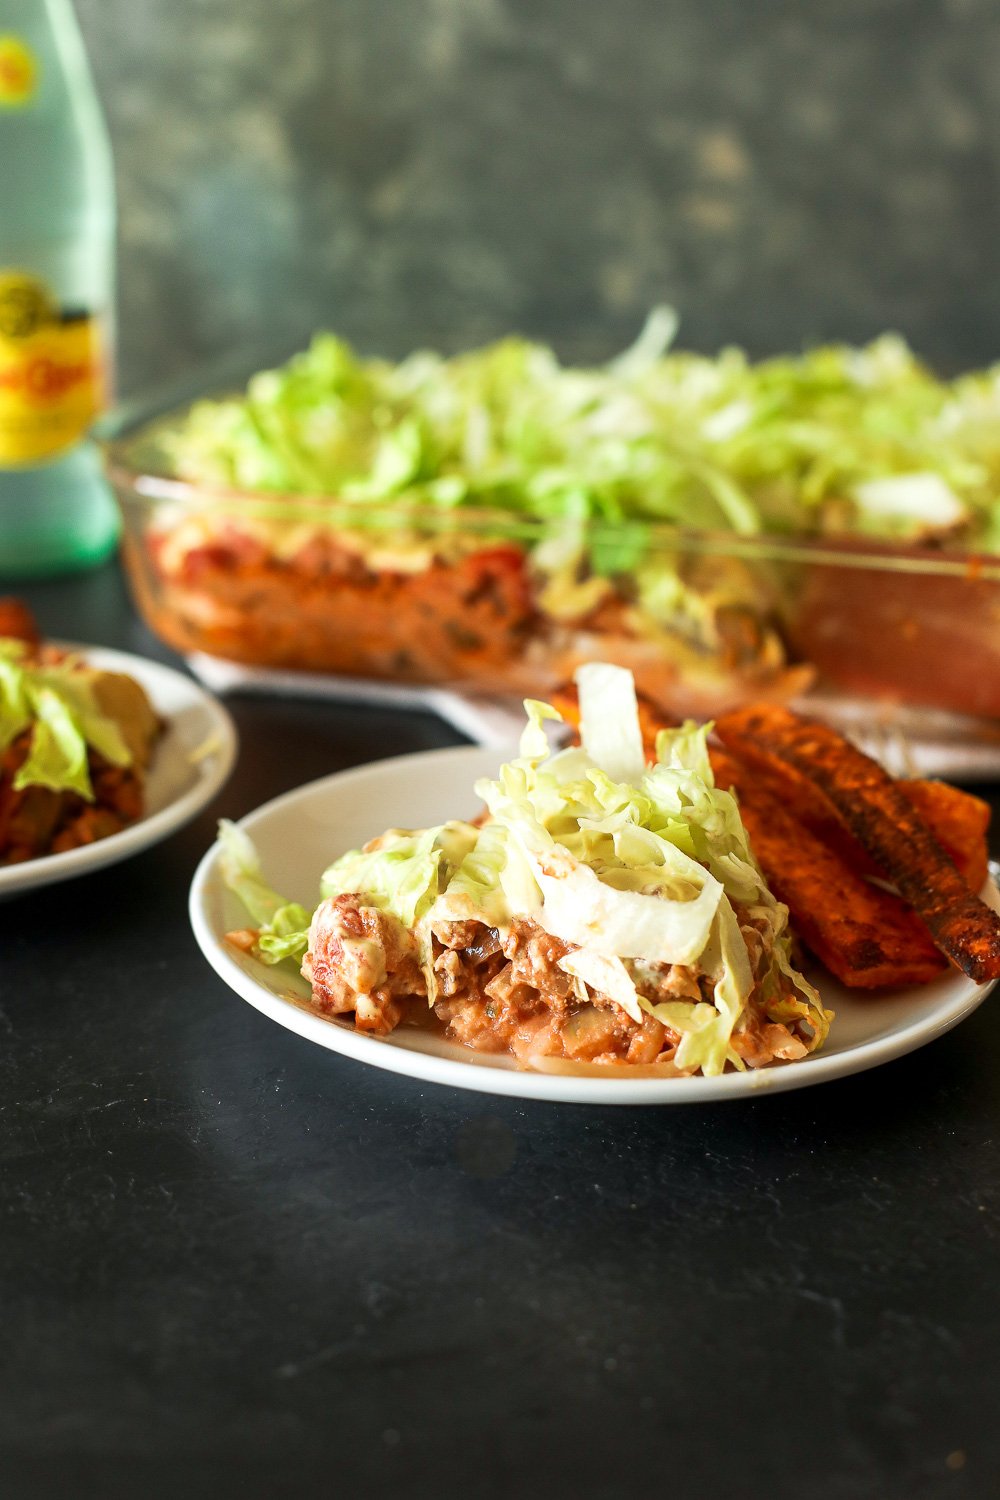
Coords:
pixel 57 218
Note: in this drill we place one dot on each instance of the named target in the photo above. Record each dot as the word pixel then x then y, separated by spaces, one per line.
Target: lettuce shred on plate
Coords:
pixel 605 912
pixel 837 439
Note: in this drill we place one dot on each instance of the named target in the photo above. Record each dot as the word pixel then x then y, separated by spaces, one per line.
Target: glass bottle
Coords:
pixel 57 222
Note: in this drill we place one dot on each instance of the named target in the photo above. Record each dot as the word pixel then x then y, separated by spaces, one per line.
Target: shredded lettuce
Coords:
pixel 15 704
pixel 836 439
pixel 402 872
pixel 283 925
pixel 490 883
pixel 635 867
pixel 57 755
pixel 609 716
pixel 57 703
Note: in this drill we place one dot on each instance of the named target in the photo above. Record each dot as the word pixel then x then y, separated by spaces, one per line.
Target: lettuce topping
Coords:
pixel 839 439
pixel 635 866
pixel 58 705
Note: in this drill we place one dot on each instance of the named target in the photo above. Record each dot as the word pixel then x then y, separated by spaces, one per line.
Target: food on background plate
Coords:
pixel 496 519
pixel 75 744
pixel 819 857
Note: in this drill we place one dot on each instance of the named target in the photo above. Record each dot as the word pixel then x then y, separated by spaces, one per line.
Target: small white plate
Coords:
pixel 301 833
pixel 191 762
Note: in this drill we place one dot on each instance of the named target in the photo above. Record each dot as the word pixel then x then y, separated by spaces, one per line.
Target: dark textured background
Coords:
pixel 450 169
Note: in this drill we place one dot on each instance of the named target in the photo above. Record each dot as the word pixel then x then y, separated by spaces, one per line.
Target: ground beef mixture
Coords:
pixel 505 992
pixel 37 821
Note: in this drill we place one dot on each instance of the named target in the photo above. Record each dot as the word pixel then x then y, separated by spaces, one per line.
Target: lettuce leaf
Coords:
pixel 402 872
pixel 492 882
pixel 580 907
pixel 609 721
pixel 57 754
pixel 15 705
pixel 283 925
pixel 57 703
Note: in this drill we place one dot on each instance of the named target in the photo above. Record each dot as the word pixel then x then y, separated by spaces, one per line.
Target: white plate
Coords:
pixel 299 834
pixel 192 760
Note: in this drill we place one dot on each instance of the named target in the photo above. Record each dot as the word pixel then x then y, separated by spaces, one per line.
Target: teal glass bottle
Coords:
pixel 57 226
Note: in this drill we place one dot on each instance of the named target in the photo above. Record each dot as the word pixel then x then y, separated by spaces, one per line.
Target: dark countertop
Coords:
pixel 234 1266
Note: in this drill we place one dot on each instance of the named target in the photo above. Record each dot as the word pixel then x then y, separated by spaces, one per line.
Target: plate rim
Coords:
pixel 478 1074
pixel 49 869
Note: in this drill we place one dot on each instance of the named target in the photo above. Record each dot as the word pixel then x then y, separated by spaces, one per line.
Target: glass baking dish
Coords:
pixel 496 603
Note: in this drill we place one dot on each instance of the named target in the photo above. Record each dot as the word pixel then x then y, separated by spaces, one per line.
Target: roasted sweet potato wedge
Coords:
pixel 865 936
pixel 870 805
pixel 959 821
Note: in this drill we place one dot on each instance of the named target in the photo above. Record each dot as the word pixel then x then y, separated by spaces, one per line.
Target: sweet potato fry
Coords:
pixel 871 806
pixel 865 936
pixel 959 822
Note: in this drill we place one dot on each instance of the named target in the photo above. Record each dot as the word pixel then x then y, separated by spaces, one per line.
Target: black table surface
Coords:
pixel 234 1265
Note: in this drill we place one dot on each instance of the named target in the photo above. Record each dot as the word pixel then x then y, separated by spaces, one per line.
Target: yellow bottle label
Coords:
pixel 18 72
pixel 51 372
